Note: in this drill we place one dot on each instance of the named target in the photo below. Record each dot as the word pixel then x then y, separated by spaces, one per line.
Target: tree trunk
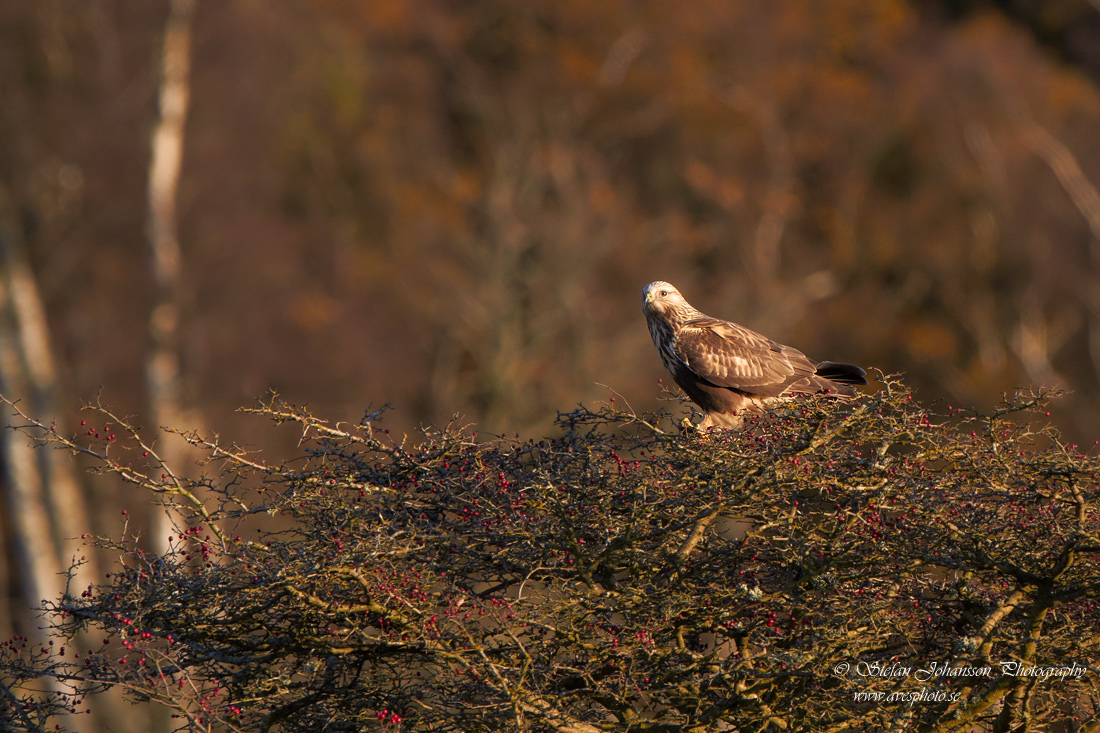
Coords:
pixel 162 368
pixel 45 506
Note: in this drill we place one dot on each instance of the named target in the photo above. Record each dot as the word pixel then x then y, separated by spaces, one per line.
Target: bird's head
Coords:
pixel 662 299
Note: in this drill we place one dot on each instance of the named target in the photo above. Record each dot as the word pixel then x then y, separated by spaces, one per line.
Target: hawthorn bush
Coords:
pixel 879 566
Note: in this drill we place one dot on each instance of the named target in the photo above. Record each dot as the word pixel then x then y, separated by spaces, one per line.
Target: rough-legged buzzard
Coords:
pixel 729 370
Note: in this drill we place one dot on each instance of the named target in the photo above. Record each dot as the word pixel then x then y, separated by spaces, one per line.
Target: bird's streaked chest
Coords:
pixel 665 339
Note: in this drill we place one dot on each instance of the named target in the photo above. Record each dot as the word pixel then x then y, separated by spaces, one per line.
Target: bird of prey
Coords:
pixel 728 370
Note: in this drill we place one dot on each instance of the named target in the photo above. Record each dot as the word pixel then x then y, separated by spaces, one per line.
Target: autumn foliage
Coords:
pixel 481 188
pixel 617 575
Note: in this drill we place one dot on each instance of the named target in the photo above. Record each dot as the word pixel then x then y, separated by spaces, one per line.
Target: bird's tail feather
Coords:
pixel 841 373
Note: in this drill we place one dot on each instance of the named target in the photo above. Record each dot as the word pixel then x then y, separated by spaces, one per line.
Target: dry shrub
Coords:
pixel 814 571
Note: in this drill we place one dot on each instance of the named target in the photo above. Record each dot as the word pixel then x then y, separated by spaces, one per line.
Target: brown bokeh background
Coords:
pixel 452 207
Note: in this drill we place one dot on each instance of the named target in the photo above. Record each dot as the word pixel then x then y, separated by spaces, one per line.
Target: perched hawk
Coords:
pixel 729 370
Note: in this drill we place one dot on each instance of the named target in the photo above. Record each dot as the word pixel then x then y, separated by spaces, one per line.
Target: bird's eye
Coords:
pixel 664 293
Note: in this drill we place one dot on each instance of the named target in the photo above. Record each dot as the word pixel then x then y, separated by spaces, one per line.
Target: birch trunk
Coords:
pixel 62 493
pixel 42 497
pixel 162 370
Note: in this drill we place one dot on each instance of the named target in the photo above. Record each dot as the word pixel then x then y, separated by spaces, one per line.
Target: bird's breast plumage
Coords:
pixel 664 338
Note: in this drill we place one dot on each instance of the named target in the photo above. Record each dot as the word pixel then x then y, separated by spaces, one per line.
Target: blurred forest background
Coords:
pixel 452 207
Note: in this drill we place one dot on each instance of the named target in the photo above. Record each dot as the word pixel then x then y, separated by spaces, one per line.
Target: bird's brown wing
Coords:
pixel 728 355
